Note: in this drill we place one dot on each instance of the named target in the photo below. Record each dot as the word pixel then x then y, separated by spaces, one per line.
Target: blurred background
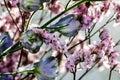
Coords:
pixel 95 74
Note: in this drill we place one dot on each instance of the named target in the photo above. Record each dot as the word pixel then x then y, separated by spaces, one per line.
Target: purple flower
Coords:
pixel 44 69
pixel 52 41
pixel 116 5
pixel 104 34
pixel 67 26
pixel 47 68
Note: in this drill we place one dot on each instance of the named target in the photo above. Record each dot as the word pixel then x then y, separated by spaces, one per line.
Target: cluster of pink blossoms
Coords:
pixel 88 14
pixel 81 11
pixel 53 6
pixel 7 23
pixel 90 54
pixel 52 41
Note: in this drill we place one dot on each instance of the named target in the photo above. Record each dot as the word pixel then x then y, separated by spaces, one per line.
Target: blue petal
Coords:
pixel 5 41
pixel 48 67
pixel 67 26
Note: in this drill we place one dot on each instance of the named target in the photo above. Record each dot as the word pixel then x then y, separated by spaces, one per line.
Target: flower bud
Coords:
pixel 31 41
pixel 5 41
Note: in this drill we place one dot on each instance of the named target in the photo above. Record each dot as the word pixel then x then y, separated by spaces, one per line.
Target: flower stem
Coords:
pixel 74 73
pixel 88 70
pixel 111 72
pixel 29 20
pixel 11 16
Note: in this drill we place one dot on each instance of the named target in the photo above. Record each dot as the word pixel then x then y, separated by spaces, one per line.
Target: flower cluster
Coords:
pixel 52 41
pixel 33 39
pixel 93 53
pixel 82 13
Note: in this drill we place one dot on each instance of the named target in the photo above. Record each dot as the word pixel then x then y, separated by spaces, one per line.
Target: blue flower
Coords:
pixel 31 5
pixel 5 77
pixel 31 41
pixel 67 26
pixel 47 68
pixel 5 41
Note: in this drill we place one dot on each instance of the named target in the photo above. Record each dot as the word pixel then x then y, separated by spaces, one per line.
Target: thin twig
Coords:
pixel 111 72
pixel 67 4
pixel 117 43
pixel 74 73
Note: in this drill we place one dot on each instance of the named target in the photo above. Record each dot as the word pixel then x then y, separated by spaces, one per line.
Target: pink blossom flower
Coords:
pixel 7 24
pixel 53 6
pixel 116 5
pixel 14 2
pixel 90 53
pixel 113 58
pixel 80 9
pixel 86 22
pixel 104 34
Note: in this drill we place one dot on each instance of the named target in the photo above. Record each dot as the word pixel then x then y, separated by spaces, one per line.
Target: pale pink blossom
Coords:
pixel 14 2
pixel 116 5
pixel 51 40
pixel 100 50
pixel 53 6
pixel 86 22
pixel 80 9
